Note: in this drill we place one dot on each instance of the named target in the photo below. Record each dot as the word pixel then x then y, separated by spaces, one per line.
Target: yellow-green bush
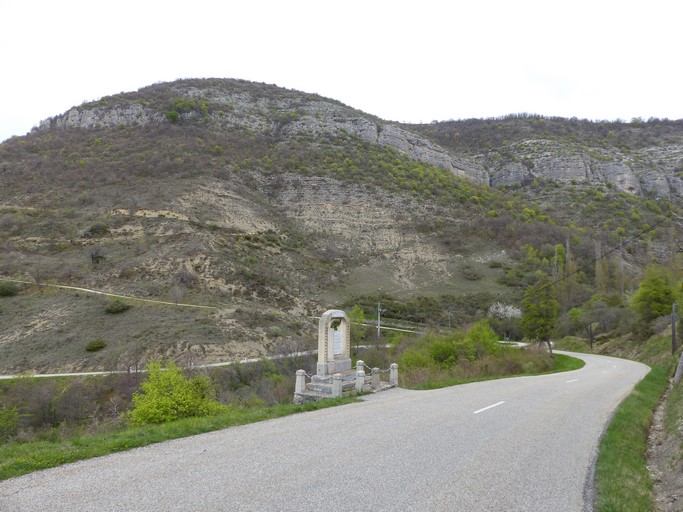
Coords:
pixel 168 395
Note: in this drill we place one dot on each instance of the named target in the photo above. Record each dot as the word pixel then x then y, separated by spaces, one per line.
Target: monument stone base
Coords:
pixel 332 367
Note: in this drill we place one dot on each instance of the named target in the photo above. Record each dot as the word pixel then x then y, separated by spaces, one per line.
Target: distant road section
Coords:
pixel 521 444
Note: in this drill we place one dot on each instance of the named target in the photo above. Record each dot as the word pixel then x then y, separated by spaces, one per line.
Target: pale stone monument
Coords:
pixel 334 343
pixel 334 375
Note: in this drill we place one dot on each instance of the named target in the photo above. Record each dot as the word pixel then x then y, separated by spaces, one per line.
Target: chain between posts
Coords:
pixel 381 371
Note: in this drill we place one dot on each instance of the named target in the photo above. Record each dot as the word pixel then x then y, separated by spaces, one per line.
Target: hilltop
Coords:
pixel 271 205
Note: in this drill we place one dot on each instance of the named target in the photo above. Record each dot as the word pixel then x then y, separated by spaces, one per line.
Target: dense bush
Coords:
pixel 655 294
pixel 95 345
pixel 9 422
pixel 173 116
pixel 8 289
pixel 168 395
pixel 434 358
pixel 117 306
pixel 434 350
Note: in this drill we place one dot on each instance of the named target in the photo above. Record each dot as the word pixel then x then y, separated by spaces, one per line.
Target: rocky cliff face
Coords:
pixel 634 173
pixel 650 167
pixel 281 115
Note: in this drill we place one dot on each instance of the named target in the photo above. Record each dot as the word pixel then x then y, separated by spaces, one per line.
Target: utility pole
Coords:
pixel 379 314
pixel 450 315
pixel 673 328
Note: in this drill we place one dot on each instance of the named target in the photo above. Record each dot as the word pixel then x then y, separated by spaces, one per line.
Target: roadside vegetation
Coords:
pixel 623 481
pixel 19 458
pixel 45 422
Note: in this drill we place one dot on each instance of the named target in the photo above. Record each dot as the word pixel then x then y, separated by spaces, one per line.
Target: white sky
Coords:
pixel 412 61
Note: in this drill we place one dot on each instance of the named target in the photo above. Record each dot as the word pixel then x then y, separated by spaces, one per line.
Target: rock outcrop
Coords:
pixel 83 117
pixel 583 169
pixel 234 105
pixel 283 115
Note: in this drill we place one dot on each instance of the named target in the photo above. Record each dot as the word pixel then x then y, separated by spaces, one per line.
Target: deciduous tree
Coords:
pixel 655 294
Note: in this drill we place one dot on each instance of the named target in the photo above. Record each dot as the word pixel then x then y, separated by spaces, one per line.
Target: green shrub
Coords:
pixel 443 352
pixel 117 306
pixel 184 105
pixel 96 345
pixel 168 395
pixel 8 289
pixel 414 358
pixel 483 338
pixel 9 421
pixel 173 116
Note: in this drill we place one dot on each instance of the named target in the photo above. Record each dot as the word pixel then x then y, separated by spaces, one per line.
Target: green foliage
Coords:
pixel 96 345
pixel 358 329
pixel 8 289
pixel 483 338
pixel 432 350
pixel 21 458
pixel 9 421
pixel 415 358
pixel 183 105
pixel 116 306
pixel 172 116
pixel 539 310
pixel 168 395
pixel 655 294
pixel 622 479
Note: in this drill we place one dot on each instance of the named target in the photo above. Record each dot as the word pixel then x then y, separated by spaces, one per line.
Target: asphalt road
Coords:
pixel 522 444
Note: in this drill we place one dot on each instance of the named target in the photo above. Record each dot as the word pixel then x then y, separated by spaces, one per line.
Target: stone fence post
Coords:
pixel 337 384
pixel 375 379
pixel 393 374
pixel 360 381
pixel 300 385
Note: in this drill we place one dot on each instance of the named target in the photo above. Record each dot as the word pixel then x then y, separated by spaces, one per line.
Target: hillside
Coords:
pixel 644 158
pixel 272 205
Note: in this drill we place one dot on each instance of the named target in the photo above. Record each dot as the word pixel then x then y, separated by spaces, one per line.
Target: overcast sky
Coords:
pixel 414 61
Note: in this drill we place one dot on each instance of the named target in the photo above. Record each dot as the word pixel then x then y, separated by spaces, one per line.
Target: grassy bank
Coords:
pixel 18 458
pixel 622 480
pixel 561 363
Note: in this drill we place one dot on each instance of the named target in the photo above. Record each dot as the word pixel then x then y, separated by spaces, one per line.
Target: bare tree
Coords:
pixel 96 254
pixel 177 293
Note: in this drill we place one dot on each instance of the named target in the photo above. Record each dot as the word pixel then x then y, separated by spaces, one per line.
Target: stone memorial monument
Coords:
pixel 334 375
pixel 334 343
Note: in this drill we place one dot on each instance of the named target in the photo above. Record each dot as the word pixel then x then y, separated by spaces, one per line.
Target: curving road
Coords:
pixel 522 444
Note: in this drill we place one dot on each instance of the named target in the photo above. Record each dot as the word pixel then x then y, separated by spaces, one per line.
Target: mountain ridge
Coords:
pixel 227 104
pixel 274 205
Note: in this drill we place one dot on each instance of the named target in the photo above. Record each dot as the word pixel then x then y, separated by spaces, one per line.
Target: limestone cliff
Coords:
pixel 275 112
pixel 641 158
pixel 637 159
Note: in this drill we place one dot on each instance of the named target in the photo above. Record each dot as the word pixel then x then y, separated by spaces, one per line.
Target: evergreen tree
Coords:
pixel 540 310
